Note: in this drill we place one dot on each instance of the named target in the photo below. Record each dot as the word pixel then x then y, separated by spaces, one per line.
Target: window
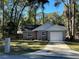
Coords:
pixel 29 33
pixel 43 33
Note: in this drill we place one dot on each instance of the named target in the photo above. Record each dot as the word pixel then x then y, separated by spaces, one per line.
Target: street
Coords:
pixel 32 57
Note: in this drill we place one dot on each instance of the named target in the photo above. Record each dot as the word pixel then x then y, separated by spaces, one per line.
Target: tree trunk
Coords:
pixel 43 13
pixel 69 32
pixel 3 17
pixel 35 15
pixel 70 18
pixel 74 20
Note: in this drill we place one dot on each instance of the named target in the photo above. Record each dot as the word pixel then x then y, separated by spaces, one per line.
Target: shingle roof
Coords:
pixel 30 27
pixel 43 27
pixel 56 28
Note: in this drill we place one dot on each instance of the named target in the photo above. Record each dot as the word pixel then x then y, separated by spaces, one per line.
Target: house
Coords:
pixel 47 31
pixel 54 33
pixel 33 32
pixel 28 33
pixel 41 31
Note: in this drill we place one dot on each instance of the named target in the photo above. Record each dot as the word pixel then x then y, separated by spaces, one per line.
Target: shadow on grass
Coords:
pixel 23 47
pixel 18 50
pixel 72 43
pixel 19 47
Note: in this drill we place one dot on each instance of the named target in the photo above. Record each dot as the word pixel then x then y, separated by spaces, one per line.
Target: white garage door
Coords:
pixel 56 36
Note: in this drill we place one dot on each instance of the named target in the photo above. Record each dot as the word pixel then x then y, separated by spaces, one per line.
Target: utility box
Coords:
pixel 7 45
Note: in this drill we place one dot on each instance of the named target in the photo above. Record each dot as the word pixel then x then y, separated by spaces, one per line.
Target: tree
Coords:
pixel 70 14
pixel 42 3
pixel 54 18
pixel 11 14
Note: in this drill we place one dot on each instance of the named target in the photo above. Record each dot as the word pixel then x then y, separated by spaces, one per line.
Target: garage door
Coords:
pixel 56 36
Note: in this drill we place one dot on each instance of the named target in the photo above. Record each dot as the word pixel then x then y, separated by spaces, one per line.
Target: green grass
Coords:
pixel 23 46
pixel 0 35
pixel 73 45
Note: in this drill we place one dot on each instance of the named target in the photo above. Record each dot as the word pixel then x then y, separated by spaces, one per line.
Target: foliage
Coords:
pixel 54 18
pixel 10 29
pixel 14 13
pixel 70 13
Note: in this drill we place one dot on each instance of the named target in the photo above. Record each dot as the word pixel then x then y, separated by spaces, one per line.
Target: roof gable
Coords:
pixel 56 28
pixel 43 27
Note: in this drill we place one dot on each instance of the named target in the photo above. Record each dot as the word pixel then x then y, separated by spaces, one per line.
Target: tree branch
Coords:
pixel 65 3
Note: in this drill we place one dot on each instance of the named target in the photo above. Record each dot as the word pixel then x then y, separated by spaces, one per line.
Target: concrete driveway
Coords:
pixel 57 49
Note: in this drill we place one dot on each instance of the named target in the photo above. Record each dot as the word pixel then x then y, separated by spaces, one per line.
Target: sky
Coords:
pixel 50 8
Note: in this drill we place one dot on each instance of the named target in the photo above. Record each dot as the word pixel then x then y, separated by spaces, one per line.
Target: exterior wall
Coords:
pixel 48 36
pixel 35 35
pixel 41 36
pixel 28 35
pixel 24 35
pixel 44 35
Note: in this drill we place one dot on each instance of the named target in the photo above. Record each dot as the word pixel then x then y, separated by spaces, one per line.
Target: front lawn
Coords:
pixel 73 45
pixel 0 35
pixel 23 46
